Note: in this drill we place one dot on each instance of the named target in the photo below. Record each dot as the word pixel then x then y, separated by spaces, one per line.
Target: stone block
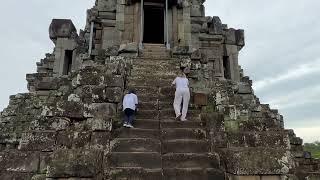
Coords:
pixel 196 28
pixel 92 93
pixel 247 161
pixel 107 5
pixel 108 23
pixel 8 175
pixel 113 94
pixel 46 85
pixel 271 139
pixel 73 139
pixel 230 36
pixel 107 15
pixel 59 123
pixel 100 140
pixel 296 141
pixel 99 124
pixel 111 37
pixel 197 11
pixel 215 25
pixel 81 139
pixel 270 177
pixel 38 141
pixel 75 163
pixel 64 139
pixel 38 177
pixel 114 80
pixel 89 76
pixel 200 99
pixel 240 39
pixel 244 88
pixel 234 177
pixel 19 162
pixel 72 109
pixel 128 48
pixel 61 28
pixel 100 110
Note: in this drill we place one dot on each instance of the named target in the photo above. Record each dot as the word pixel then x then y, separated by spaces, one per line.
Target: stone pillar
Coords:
pixel 233 54
pixel 184 24
pixel 91 38
pixel 141 24
pixel 62 44
pixel 167 26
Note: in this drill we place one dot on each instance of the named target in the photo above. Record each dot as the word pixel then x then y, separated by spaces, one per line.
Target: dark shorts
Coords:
pixel 129 112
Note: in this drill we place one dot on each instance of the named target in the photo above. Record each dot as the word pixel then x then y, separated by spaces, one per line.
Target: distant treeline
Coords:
pixel 314 148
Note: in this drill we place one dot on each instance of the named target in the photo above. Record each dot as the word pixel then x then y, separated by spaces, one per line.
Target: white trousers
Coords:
pixel 181 95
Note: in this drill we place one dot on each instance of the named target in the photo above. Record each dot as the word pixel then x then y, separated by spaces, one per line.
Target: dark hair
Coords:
pixel 182 68
pixel 131 91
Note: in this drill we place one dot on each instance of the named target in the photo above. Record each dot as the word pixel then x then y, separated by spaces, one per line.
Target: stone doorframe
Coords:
pixel 142 25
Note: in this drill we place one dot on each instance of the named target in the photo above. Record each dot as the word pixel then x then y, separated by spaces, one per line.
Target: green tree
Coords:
pixel 314 148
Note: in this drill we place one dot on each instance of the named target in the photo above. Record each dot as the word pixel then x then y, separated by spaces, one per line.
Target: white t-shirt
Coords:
pixel 181 82
pixel 130 101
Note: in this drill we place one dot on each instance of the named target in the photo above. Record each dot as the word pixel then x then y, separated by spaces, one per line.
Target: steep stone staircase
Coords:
pixel 159 147
pixel 155 51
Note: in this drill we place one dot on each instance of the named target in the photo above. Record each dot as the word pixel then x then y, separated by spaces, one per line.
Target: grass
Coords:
pixel 314 148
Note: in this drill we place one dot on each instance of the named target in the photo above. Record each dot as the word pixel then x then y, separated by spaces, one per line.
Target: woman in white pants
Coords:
pixel 182 94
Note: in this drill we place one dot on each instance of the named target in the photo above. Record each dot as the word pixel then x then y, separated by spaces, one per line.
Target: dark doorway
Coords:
pixel 226 67
pixel 153 25
pixel 67 62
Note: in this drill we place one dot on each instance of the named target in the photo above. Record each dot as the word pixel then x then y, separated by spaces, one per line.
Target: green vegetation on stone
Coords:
pixel 314 148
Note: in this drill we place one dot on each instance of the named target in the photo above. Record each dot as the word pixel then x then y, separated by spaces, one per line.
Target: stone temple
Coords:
pixel 68 126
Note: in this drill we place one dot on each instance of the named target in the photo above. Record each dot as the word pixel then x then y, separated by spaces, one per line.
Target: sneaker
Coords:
pixel 129 126
pixel 184 120
pixel 125 125
pixel 178 117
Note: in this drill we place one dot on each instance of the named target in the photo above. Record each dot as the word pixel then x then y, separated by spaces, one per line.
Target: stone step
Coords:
pixel 135 174
pixel 147 124
pixel 143 160
pixel 156 55
pixel 179 124
pixel 167 105
pixel 156 66
pixel 135 145
pixel 149 98
pixel 151 77
pixel 141 61
pixel 144 73
pixel 150 105
pixel 150 45
pixel 153 82
pixel 170 113
pixel 137 133
pixel 193 174
pixel 147 114
pixel 183 133
pixel 185 146
pixel 188 160
pixel 164 114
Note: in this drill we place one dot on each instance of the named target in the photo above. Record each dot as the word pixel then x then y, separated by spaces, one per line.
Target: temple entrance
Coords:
pixel 154 24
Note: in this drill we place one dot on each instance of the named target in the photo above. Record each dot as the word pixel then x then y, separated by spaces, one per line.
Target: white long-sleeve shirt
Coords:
pixel 130 101
pixel 181 82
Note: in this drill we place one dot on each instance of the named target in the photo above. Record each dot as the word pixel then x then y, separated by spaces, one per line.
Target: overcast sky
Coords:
pixel 281 53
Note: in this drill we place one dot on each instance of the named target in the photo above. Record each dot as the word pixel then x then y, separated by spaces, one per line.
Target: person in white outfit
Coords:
pixel 130 102
pixel 182 96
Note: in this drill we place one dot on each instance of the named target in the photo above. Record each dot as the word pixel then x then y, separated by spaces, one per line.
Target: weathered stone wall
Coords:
pixel 62 128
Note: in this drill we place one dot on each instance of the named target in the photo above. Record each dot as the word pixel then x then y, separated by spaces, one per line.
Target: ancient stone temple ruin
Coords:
pixel 68 126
